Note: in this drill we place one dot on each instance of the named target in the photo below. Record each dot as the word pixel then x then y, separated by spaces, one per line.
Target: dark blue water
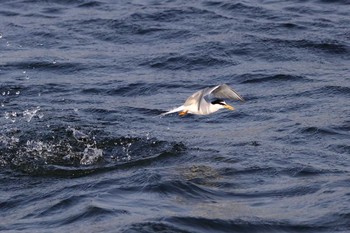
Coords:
pixel 82 148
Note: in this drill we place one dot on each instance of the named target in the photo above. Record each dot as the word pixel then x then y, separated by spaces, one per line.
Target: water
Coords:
pixel 82 147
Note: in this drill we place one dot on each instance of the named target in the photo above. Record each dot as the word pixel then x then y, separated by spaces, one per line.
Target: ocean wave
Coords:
pixel 278 78
pixel 240 225
pixel 327 90
pixel 327 46
pixel 60 67
pixel 76 153
pixel 190 61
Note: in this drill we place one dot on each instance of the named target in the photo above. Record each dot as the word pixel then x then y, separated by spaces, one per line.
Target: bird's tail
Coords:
pixel 172 111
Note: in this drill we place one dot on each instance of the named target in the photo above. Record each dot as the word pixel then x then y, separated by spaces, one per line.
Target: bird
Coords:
pixel 207 101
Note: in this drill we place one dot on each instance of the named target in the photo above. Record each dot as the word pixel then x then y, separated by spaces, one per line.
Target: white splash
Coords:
pixel 29 114
pixel 8 141
pixel 40 148
pixel 91 155
pixel 78 135
pixel 126 150
pixel 12 116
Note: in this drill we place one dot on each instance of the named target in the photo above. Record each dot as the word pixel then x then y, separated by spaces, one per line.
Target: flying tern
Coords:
pixel 207 101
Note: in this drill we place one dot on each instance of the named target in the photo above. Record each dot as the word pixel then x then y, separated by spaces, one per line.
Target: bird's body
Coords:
pixel 207 101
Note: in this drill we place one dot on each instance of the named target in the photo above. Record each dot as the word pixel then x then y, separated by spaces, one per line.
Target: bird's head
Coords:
pixel 222 104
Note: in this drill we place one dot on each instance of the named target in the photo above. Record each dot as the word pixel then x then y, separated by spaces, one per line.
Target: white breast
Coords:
pixel 204 109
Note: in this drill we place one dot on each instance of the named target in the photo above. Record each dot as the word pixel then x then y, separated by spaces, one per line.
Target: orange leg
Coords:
pixel 183 113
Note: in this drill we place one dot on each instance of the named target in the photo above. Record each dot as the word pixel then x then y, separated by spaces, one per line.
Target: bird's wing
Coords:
pixel 224 92
pixel 194 99
pixel 197 98
pixel 200 98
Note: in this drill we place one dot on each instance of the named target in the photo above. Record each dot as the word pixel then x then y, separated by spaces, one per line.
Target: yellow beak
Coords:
pixel 229 107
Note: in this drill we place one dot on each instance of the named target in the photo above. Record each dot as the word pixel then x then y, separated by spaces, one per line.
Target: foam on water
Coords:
pixel 91 156
pixel 72 148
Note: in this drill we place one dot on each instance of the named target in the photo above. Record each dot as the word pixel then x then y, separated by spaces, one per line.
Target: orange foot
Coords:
pixel 183 113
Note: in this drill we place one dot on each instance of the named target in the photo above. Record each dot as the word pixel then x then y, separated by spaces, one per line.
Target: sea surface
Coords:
pixel 82 145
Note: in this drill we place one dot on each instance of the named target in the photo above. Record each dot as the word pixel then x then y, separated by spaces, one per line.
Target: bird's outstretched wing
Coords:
pixel 194 99
pixel 224 92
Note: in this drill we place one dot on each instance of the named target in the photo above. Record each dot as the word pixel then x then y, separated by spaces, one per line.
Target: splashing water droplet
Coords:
pixel 40 115
pixel 126 150
pixel 29 114
pixel 78 135
pixel 91 156
pixel 11 116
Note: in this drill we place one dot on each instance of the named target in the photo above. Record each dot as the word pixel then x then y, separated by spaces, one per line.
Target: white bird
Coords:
pixel 207 101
